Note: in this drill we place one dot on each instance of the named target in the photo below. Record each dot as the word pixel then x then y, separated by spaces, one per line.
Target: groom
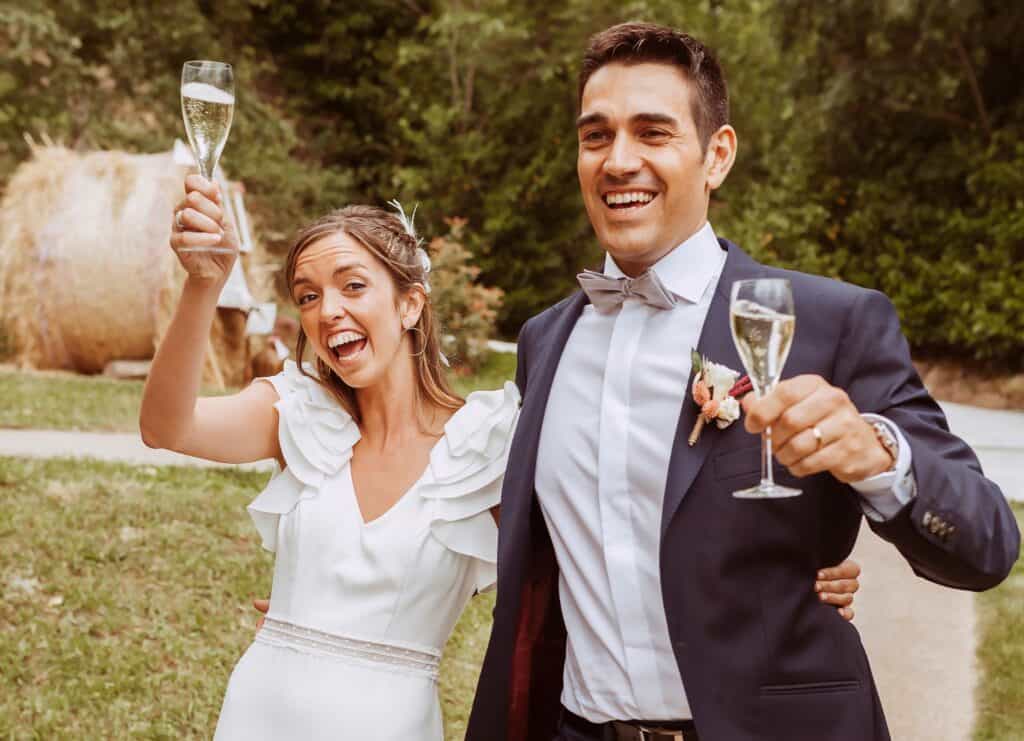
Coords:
pixel 637 599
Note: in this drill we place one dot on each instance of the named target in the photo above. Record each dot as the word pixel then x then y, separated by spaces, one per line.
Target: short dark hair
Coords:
pixel 636 43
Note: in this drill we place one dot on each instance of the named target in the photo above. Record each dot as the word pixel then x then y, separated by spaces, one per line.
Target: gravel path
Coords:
pixel 102 445
pixel 920 639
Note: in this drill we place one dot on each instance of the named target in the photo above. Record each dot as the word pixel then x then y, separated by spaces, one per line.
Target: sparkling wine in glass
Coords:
pixel 762 320
pixel 207 106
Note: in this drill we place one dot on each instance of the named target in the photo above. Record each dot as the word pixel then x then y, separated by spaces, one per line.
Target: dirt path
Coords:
pixel 920 638
pixel 105 446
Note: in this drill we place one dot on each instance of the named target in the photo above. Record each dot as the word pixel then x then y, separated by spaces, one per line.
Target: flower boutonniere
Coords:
pixel 716 389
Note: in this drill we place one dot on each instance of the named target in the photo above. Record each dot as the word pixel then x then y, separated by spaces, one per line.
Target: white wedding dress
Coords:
pixel 359 612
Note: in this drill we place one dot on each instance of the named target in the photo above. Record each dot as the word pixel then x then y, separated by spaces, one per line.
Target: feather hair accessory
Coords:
pixel 408 223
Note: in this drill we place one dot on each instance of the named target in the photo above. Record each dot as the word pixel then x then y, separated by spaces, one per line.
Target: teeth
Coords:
pixel 343 337
pixel 616 199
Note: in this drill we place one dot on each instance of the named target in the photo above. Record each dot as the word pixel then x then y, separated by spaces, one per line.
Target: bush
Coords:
pixel 466 309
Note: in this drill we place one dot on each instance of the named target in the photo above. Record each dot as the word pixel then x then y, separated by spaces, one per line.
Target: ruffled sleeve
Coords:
pixel 316 435
pixel 467 467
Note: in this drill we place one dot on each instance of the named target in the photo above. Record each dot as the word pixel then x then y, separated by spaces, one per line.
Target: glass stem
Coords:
pixel 766 458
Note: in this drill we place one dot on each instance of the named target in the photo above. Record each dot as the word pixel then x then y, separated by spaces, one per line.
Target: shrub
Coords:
pixel 466 309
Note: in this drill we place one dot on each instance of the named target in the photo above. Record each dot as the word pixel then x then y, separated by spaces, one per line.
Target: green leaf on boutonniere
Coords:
pixel 696 361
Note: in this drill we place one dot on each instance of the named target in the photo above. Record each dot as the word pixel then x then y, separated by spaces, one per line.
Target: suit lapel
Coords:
pixel 716 345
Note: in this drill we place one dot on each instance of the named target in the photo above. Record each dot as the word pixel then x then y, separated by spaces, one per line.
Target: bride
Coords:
pixel 383 518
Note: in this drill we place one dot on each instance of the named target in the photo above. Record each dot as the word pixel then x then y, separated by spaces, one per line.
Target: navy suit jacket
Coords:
pixel 760 656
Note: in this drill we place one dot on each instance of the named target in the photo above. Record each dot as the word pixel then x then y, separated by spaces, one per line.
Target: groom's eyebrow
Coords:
pixel 655 118
pixel 590 119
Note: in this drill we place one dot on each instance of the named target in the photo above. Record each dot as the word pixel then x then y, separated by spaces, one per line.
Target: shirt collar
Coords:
pixel 687 269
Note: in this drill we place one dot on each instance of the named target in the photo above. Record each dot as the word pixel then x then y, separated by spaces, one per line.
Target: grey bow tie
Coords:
pixel 607 293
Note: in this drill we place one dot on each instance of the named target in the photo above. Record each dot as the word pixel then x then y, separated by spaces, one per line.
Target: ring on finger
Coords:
pixel 178 222
pixel 819 439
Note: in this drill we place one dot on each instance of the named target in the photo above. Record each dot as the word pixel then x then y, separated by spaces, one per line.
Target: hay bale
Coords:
pixel 86 276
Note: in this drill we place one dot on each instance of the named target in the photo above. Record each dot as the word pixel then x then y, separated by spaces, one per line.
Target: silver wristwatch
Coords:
pixel 888 441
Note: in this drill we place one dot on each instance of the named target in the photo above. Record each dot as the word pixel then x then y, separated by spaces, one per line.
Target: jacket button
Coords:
pixel 926 520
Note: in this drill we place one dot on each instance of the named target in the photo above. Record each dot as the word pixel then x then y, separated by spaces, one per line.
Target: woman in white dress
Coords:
pixel 383 517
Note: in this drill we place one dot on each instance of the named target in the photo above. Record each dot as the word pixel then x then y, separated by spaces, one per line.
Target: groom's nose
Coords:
pixel 623 158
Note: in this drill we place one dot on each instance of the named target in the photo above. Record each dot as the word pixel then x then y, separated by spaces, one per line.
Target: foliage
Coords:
pixel 880 140
pixel 903 165
pixel 467 309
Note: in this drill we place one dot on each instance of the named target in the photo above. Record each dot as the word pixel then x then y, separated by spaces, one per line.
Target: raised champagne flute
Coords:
pixel 207 105
pixel 762 320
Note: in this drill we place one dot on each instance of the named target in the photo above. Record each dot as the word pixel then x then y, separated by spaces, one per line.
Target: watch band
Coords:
pixel 888 441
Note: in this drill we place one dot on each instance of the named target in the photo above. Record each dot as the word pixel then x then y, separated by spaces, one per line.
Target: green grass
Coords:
pixel 64 401
pixel 126 601
pixel 125 591
pixel 500 367
pixel 1000 691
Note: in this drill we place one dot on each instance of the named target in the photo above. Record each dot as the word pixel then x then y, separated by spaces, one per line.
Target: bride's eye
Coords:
pixel 305 298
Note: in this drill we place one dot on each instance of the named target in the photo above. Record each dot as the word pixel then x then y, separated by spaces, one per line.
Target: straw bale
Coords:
pixel 86 275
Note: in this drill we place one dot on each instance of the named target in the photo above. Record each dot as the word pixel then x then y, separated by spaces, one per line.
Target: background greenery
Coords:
pixel 881 141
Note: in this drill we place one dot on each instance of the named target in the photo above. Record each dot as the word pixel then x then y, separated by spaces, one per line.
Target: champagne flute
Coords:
pixel 762 321
pixel 207 106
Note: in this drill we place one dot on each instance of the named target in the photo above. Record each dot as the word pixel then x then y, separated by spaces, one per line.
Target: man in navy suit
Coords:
pixel 637 599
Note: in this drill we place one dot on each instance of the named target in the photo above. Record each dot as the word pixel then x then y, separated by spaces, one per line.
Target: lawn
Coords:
pixel 124 591
pixel 126 601
pixel 65 401
pixel 1000 693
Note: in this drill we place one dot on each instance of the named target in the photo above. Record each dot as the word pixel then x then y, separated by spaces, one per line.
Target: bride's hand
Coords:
pixel 262 606
pixel 835 586
pixel 199 223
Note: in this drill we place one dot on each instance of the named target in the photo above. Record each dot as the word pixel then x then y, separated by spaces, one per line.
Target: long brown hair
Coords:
pixel 383 234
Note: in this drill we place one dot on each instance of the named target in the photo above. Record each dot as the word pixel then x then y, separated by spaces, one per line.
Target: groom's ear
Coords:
pixel 720 154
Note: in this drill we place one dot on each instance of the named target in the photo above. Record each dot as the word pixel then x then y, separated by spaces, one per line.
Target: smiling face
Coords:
pixel 645 177
pixel 351 311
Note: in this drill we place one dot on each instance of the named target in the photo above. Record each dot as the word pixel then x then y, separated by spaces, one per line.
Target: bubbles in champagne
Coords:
pixel 207 111
pixel 763 337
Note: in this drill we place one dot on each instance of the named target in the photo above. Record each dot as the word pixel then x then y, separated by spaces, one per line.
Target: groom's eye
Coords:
pixel 595 137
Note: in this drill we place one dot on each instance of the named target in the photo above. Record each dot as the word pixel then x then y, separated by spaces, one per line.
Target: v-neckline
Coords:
pixel 363 522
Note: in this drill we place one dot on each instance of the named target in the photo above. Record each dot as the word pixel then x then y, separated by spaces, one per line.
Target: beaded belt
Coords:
pixel 308 640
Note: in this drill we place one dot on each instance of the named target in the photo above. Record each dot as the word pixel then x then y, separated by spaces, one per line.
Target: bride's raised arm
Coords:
pixel 232 429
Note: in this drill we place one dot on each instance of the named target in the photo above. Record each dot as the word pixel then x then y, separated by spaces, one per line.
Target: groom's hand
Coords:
pixel 846 445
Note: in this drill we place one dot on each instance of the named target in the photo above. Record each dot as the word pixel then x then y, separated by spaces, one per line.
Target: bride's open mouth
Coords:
pixel 633 200
pixel 346 345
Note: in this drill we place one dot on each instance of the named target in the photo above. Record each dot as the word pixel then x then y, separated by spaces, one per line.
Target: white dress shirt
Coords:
pixel 601 476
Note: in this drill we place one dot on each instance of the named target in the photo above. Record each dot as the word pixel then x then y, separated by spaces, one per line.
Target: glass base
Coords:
pixel 216 250
pixel 767 490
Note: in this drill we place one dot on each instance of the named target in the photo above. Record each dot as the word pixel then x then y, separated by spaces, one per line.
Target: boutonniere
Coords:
pixel 716 390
